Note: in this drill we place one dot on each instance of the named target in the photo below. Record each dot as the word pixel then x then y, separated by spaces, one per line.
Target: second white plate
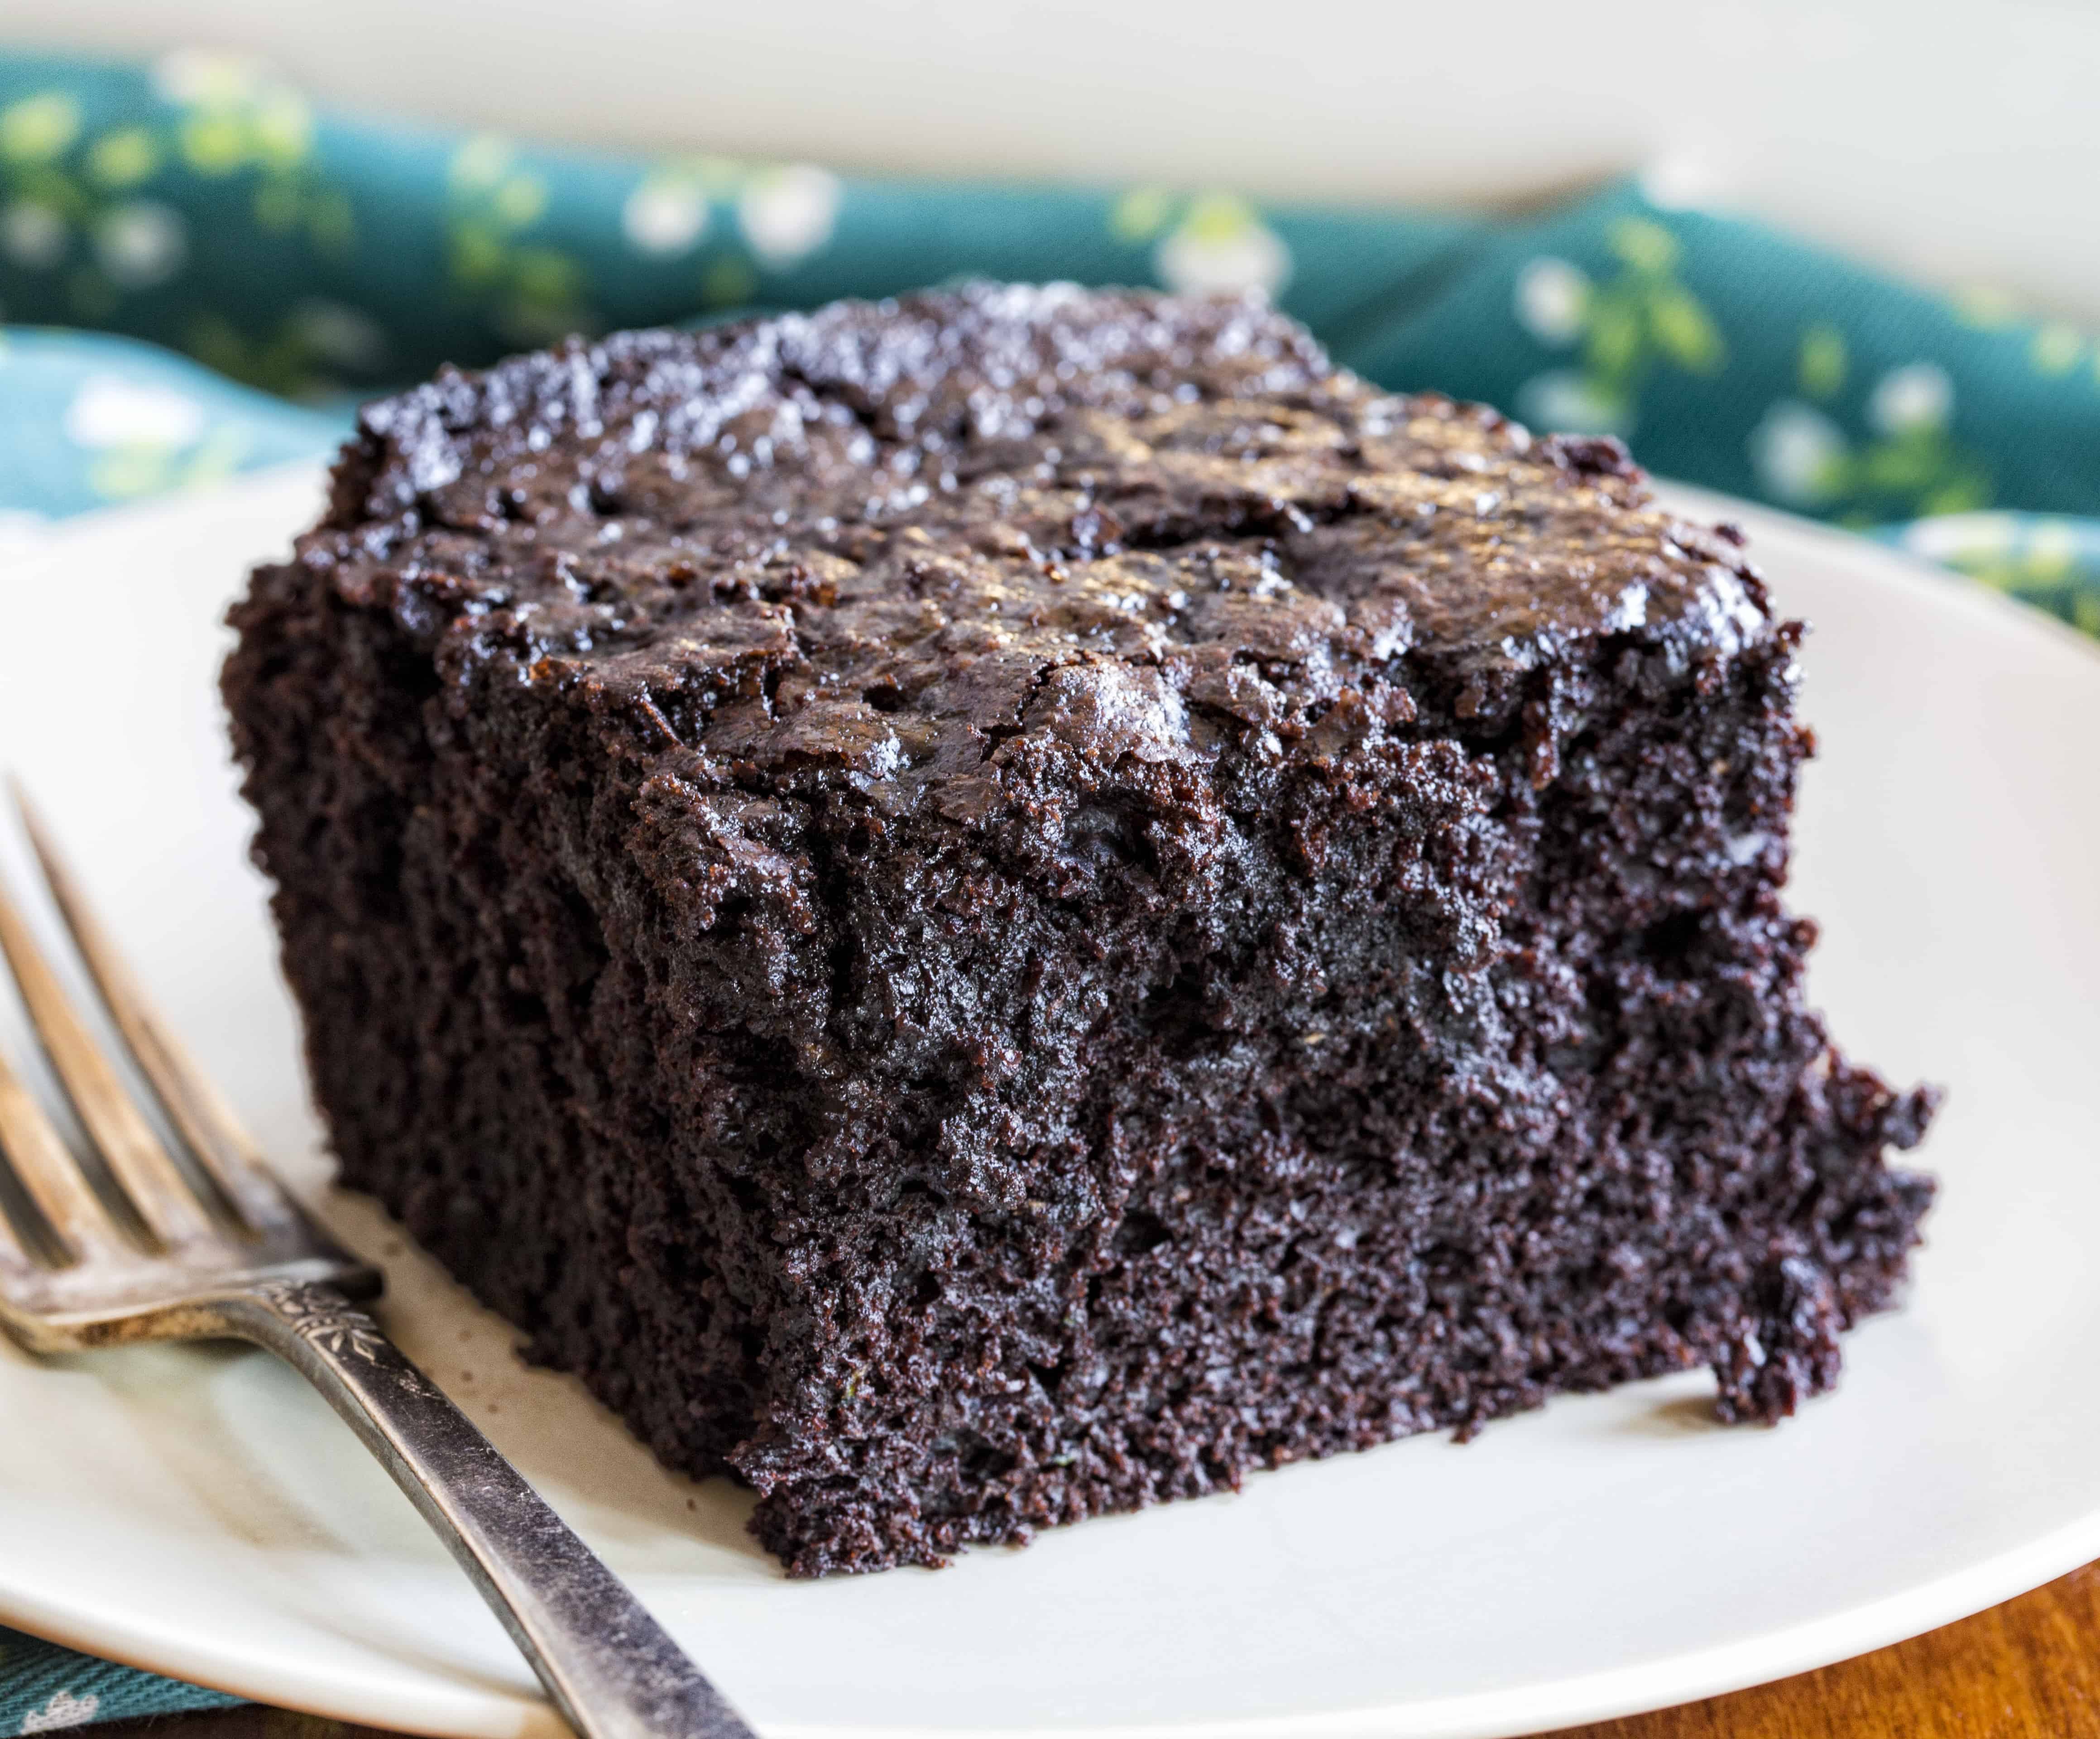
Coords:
pixel 198 1511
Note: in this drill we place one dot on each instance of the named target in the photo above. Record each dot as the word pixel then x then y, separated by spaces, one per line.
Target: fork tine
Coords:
pixel 18 1268
pixel 194 1104
pixel 15 1261
pixel 141 1165
pixel 35 1154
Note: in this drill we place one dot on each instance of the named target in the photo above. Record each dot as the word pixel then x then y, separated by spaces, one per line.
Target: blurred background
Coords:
pixel 1950 139
pixel 1837 258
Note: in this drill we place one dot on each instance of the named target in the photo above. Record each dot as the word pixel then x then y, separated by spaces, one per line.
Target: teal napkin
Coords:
pixel 44 1688
pixel 203 272
pixel 204 205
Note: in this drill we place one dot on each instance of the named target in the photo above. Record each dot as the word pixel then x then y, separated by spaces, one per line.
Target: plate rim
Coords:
pixel 1621 1692
pixel 1670 1681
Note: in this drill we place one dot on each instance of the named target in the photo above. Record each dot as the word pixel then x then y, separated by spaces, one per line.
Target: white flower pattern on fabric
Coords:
pixel 1219 246
pixel 141 242
pixel 64 1709
pixel 787 213
pixel 664 215
pixel 1194 264
pixel 1565 398
pixel 2045 561
pixel 1551 295
pixel 1626 328
pixel 347 337
pixel 1918 395
pixel 1683 181
pixel 1222 244
pixel 1795 449
pixel 1953 539
pixel 1207 244
pixel 33 235
pixel 108 411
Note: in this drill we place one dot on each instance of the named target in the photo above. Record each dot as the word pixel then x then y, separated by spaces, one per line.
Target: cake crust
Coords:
pixel 904 518
pixel 1002 905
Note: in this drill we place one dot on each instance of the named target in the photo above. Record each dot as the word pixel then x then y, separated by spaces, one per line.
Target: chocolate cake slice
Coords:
pixel 1004 906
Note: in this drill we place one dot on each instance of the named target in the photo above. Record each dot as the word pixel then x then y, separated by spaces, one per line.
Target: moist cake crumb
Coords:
pixel 1004 904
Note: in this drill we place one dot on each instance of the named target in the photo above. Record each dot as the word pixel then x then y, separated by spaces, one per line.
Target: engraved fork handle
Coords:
pixel 610 1667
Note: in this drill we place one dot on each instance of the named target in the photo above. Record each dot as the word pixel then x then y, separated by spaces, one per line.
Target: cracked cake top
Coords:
pixel 884 538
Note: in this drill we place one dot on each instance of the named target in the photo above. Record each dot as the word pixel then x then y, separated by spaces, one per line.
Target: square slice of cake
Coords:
pixel 1005 905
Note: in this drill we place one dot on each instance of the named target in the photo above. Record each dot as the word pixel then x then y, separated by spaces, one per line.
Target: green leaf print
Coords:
pixel 1824 360
pixel 1624 328
pixel 39 128
pixel 532 293
pixel 1203 242
pixel 1909 465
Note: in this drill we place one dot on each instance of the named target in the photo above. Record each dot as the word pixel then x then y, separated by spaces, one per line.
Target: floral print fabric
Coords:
pixel 299 259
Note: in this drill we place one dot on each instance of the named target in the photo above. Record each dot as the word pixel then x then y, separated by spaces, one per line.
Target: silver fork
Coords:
pixel 239 1260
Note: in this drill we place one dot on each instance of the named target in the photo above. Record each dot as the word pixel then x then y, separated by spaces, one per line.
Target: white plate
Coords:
pixel 198 1511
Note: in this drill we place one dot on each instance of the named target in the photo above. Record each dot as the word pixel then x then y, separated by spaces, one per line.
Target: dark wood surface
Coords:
pixel 2029 1669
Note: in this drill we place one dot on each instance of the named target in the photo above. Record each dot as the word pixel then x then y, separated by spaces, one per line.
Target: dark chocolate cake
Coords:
pixel 1003 906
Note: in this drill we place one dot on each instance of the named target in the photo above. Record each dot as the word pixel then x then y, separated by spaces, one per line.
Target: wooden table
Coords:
pixel 2029 1669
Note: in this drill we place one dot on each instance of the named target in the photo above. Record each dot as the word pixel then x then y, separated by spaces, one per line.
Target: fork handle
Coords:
pixel 610 1669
